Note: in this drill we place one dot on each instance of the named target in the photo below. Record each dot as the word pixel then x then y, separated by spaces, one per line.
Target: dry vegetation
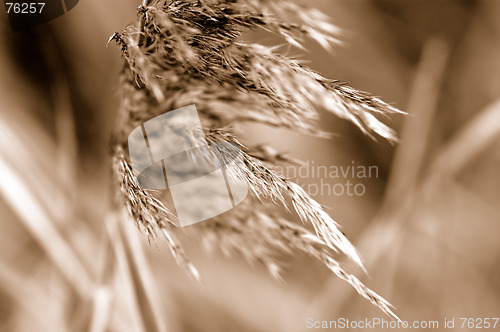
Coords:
pixel 72 258
pixel 191 52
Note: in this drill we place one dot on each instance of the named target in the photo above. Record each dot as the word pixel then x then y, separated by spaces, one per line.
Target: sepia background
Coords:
pixel 427 227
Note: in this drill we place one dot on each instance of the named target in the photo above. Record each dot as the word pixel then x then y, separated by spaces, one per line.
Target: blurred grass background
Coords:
pixel 427 228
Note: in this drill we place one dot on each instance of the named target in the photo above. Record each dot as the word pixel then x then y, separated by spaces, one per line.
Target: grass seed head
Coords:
pixel 191 52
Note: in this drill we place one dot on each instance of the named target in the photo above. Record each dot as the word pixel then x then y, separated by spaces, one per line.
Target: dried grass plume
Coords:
pixel 192 52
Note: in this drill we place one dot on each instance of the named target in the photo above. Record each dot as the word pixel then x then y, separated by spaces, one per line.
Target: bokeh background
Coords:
pixel 428 227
